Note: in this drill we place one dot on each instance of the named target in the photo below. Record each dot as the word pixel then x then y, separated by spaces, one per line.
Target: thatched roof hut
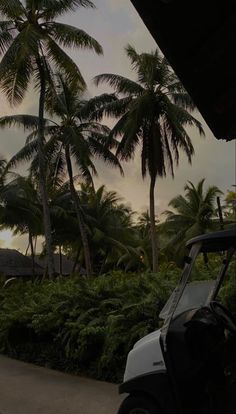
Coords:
pixel 15 264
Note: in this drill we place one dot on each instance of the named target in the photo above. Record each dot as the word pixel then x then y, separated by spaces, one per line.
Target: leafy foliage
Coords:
pixel 82 325
pixel 194 214
pixel 31 37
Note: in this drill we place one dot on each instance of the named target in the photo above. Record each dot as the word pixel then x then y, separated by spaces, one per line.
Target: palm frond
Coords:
pixel 16 64
pixel 12 9
pixel 100 151
pixel 49 131
pixel 70 36
pixel 211 194
pixel 27 122
pixel 54 8
pixel 90 107
pixel 25 154
pixel 6 37
pixel 133 56
pixel 85 166
pixel 96 127
pixel 62 62
pixel 183 100
pixel 115 108
pixel 119 83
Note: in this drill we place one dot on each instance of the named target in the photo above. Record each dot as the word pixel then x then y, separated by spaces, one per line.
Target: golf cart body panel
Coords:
pixel 153 385
pixel 146 355
pixel 175 364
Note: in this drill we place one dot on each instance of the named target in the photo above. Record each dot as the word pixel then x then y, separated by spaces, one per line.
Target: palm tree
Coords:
pixel 31 43
pixel 152 114
pixel 21 210
pixel 230 205
pixel 110 224
pixel 195 214
pixel 73 135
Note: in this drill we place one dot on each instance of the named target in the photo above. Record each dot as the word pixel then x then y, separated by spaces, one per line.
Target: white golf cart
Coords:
pixel 179 369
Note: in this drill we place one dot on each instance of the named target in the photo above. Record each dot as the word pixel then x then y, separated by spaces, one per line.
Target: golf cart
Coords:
pixel 180 368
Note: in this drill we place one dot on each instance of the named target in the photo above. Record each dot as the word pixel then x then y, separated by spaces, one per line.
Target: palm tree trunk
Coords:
pixel 35 244
pixel 27 249
pixel 82 228
pixel 42 170
pixel 32 253
pixel 220 213
pixel 60 261
pixel 153 226
pixel 76 260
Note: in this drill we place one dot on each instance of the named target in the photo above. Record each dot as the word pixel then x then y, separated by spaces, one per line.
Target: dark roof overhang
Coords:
pixel 199 40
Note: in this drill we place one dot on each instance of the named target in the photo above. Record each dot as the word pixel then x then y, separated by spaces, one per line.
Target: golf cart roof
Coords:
pixel 215 242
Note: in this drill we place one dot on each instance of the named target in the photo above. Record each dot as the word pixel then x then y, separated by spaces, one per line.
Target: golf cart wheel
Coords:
pixel 138 405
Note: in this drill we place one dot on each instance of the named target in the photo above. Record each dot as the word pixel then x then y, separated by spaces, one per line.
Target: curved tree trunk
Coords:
pixel 82 228
pixel 153 227
pixel 32 253
pixel 42 174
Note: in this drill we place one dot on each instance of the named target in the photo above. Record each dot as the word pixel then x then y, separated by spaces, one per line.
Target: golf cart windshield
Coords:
pixel 195 295
pixel 188 296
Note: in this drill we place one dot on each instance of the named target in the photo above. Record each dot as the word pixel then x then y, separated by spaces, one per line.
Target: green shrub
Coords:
pixel 88 325
pixel 85 325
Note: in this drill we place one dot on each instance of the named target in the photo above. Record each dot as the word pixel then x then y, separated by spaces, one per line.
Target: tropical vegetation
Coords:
pixel 194 214
pixel 126 262
pixel 31 46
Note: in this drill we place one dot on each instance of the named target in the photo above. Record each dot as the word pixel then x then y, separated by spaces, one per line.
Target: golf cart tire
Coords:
pixel 141 402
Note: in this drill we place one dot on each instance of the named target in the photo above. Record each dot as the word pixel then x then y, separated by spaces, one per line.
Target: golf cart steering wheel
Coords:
pixel 224 316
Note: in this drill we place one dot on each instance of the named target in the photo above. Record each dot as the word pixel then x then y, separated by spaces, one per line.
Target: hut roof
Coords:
pixel 14 263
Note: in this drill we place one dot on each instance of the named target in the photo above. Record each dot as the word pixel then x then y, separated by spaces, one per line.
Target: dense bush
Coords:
pixel 83 325
pixel 88 325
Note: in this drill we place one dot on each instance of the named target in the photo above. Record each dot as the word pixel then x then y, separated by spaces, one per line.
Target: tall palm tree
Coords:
pixel 73 135
pixel 195 214
pixel 152 113
pixel 31 43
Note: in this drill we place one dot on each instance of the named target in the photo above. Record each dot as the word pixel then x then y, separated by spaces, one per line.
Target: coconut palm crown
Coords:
pixel 152 113
pixel 30 37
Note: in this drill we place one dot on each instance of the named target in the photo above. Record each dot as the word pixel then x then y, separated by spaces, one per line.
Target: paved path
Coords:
pixel 28 389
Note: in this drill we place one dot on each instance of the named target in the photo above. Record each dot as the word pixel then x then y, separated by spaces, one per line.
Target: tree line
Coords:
pixel 58 199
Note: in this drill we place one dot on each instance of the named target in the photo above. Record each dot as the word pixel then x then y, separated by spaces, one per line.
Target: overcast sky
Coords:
pixel 115 23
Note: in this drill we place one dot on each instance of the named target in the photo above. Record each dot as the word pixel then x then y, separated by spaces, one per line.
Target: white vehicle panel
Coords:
pixel 145 357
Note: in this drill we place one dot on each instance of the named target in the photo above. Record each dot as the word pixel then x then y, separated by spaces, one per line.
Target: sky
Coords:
pixel 115 23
